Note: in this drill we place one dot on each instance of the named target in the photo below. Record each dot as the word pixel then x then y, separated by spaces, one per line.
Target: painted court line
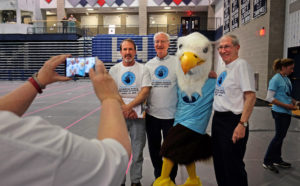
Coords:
pixel 56 93
pixel 85 116
pixel 59 103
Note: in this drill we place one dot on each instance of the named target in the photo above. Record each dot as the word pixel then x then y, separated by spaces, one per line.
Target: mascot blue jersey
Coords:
pixel 194 113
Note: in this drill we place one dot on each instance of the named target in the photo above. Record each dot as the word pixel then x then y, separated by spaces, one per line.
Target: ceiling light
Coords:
pixel 167 7
pixel 119 8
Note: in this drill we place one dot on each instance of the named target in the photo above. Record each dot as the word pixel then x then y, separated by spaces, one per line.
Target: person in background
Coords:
pixel 161 101
pixel 234 99
pixel 134 87
pixel 279 94
pixel 65 24
pixel 72 23
pixel 35 152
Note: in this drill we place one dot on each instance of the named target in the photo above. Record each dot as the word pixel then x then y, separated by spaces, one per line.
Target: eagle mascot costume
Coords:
pixel 187 141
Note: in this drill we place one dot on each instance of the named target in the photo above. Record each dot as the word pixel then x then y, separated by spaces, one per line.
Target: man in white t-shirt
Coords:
pixel 35 152
pixel 161 101
pixel 234 100
pixel 134 87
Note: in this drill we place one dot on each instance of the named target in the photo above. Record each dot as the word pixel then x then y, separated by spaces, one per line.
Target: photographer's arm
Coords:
pixel 21 98
pixel 112 123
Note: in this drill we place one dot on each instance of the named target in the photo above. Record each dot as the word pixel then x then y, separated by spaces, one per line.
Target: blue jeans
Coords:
pixel 137 133
pixel 282 124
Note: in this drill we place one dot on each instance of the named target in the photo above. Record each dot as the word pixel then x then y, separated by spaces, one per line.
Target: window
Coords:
pixel 8 16
pixel 26 17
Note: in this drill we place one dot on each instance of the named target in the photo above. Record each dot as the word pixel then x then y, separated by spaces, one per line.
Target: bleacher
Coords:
pixel 106 47
pixel 20 59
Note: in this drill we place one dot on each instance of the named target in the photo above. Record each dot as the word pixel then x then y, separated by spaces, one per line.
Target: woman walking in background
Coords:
pixel 279 94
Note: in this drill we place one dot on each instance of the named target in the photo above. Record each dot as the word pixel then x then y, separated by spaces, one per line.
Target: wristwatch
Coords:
pixel 245 124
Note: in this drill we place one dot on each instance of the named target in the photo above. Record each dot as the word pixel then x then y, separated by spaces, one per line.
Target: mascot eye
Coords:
pixel 180 46
pixel 195 56
pixel 205 50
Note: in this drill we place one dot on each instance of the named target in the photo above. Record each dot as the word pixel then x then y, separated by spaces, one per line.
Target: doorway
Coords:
pixel 294 53
pixel 190 24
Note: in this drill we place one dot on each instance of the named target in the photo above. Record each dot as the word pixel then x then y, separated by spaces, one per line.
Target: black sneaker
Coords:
pixel 136 184
pixel 283 164
pixel 271 168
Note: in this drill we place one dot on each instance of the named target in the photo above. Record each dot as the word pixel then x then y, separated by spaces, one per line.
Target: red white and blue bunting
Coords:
pixel 92 3
pixel 177 2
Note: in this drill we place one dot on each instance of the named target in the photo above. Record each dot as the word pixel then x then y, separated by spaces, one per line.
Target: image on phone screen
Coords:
pixel 79 66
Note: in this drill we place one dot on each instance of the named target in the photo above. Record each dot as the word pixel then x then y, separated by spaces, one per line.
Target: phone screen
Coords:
pixel 79 66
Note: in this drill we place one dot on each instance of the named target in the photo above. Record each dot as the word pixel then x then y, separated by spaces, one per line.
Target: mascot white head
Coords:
pixel 195 54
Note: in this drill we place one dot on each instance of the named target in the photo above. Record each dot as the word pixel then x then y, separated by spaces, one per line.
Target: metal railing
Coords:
pixel 51 27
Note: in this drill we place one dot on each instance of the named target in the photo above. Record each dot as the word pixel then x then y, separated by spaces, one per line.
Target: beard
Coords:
pixel 128 60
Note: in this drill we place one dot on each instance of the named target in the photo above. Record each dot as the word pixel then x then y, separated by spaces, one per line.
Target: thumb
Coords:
pixel 63 78
pixel 92 73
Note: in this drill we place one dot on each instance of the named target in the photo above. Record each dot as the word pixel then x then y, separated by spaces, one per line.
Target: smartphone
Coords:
pixel 79 66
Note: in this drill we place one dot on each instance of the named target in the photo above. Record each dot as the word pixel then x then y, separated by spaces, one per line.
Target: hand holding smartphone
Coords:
pixel 79 66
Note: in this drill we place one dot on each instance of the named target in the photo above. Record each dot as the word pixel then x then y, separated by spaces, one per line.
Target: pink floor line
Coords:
pixel 129 163
pixel 50 106
pixel 55 86
pixel 55 93
pixel 85 116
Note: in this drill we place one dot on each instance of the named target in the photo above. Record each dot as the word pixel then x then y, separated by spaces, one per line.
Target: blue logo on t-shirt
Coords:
pixel 161 72
pixel 128 78
pixel 195 96
pixel 221 78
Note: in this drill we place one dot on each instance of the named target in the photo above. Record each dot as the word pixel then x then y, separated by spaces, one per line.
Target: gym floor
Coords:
pixel 73 106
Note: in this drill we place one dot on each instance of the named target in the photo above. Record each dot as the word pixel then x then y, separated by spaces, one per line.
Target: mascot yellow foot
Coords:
pixel 164 179
pixel 163 182
pixel 192 180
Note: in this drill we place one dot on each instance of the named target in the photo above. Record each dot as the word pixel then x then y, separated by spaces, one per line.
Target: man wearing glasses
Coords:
pixel 234 100
pixel 162 100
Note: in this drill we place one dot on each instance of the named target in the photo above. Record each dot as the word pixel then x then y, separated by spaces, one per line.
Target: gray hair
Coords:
pixel 158 33
pixel 234 40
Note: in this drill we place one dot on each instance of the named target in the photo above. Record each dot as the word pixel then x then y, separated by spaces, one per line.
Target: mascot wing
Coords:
pixel 195 54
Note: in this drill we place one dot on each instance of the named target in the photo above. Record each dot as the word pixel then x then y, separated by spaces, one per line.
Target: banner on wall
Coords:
pixel 226 16
pixel 234 14
pixel 245 11
pixel 259 8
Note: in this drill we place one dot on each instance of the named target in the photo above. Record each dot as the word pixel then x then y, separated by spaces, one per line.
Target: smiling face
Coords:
pixel 161 45
pixel 128 52
pixel 228 51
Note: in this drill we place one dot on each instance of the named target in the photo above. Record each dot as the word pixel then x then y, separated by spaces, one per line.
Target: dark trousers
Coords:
pixel 154 126
pixel 227 156
pixel 282 124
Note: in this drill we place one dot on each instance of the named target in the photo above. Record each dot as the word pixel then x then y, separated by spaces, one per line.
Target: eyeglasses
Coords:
pixel 161 41
pixel 225 47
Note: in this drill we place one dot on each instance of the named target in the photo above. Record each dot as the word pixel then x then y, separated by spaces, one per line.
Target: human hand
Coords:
pixel 132 115
pixel 292 107
pixel 47 74
pixel 238 133
pixel 212 74
pixel 104 85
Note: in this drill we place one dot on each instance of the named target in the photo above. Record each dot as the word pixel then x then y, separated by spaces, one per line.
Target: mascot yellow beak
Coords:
pixel 189 60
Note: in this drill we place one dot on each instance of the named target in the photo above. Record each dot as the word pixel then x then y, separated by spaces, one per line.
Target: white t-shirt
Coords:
pixel 237 78
pixel 163 95
pixel 34 153
pixel 130 79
